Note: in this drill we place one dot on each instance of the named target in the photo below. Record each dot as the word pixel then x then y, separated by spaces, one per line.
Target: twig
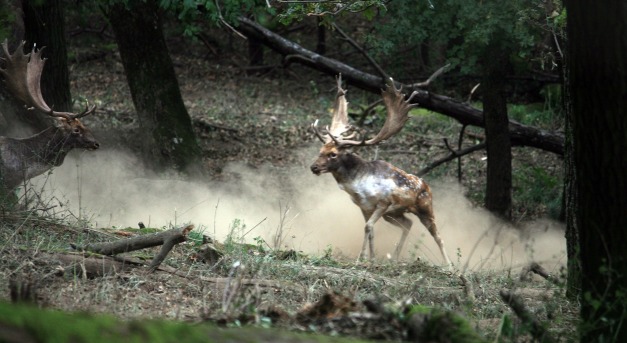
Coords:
pixel 538 331
pixel 382 72
pixel 472 91
pixel 431 78
pixel 453 155
pixel 459 147
pixel 227 24
pixel 468 288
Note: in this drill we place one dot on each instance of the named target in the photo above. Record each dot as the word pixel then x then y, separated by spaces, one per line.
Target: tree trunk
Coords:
pixel 321 43
pixel 498 198
pixel 165 126
pixel 573 282
pixel 597 47
pixel 44 26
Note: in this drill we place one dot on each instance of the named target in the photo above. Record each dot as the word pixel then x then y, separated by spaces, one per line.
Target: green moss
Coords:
pixel 24 323
pixel 437 325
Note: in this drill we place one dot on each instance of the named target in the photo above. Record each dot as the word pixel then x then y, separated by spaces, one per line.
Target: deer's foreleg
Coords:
pixel 405 224
pixel 369 229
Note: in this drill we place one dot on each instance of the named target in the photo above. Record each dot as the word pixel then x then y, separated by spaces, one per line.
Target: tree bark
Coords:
pixel 498 197
pixel 44 26
pixel 521 135
pixel 597 47
pixel 165 126
pixel 573 281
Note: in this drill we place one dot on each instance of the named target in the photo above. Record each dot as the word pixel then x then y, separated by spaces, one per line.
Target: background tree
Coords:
pixel 597 48
pixel 165 126
pixel 44 26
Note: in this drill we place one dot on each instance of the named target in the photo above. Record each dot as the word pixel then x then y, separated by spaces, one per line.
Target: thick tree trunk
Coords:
pixel 597 46
pixel 165 126
pixel 44 26
pixel 521 135
pixel 498 198
pixel 573 282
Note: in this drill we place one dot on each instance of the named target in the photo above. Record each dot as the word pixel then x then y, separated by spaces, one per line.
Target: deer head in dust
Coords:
pixel 380 189
pixel 22 159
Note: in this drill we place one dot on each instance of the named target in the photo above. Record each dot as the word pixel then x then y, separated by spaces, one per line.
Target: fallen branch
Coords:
pixel 521 135
pixel 469 290
pixel 167 239
pixel 537 330
pixel 536 268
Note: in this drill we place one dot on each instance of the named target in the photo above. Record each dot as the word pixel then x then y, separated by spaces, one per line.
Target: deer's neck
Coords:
pixel 26 158
pixel 351 167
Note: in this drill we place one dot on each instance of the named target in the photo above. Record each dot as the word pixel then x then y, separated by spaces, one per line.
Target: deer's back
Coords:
pixel 379 181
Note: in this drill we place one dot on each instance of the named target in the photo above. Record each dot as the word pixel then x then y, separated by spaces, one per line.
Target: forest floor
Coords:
pixel 286 238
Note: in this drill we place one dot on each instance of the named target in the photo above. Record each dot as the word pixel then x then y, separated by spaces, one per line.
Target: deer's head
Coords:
pixel 22 74
pixel 338 138
pixel 76 135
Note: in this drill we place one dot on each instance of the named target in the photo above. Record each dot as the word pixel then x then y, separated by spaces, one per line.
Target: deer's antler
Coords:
pixel 341 132
pixel 22 75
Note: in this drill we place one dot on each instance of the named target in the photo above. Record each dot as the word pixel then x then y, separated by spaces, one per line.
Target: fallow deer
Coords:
pixel 23 159
pixel 377 187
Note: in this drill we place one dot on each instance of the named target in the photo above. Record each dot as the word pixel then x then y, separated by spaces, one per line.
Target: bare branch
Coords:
pixel 431 78
pixel 382 72
pixel 453 155
pixel 538 331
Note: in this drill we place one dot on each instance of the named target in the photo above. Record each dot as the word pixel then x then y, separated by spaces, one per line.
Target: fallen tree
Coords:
pixel 464 113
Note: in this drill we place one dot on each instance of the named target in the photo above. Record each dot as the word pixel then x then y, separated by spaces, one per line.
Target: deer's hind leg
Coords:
pixel 399 219
pixel 425 214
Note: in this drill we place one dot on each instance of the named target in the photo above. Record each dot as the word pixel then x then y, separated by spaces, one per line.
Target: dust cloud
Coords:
pixel 306 212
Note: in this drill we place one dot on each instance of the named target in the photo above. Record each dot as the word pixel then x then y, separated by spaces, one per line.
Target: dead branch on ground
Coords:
pixel 167 239
pixel 536 268
pixel 537 330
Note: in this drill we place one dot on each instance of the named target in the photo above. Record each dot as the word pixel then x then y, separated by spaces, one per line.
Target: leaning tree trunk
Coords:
pixel 521 135
pixel 498 197
pixel 597 47
pixel 165 126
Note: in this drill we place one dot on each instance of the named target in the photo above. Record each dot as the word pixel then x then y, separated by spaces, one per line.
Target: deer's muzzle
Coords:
pixel 315 169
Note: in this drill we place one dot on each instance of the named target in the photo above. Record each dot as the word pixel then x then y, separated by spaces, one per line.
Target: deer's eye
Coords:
pixel 76 131
pixel 332 155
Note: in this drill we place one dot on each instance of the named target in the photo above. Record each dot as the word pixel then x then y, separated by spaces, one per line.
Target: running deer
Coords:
pixel 23 159
pixel 377 187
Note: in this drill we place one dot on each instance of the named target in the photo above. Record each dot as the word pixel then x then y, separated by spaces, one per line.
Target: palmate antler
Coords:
pixel 22 74
pixel 341 132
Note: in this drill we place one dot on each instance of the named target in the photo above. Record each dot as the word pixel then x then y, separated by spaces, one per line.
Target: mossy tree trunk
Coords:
pixel 166 129
pixel 498 197
pixel 597 48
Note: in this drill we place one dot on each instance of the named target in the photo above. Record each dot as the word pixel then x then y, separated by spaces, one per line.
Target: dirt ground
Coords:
pixel 257 199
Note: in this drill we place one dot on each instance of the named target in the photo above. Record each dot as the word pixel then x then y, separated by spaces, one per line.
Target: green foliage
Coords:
pixel 462 28
pixel 534 185
pixel 328 9
pixel 538 114
pixel 193 14
pixel 7 19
